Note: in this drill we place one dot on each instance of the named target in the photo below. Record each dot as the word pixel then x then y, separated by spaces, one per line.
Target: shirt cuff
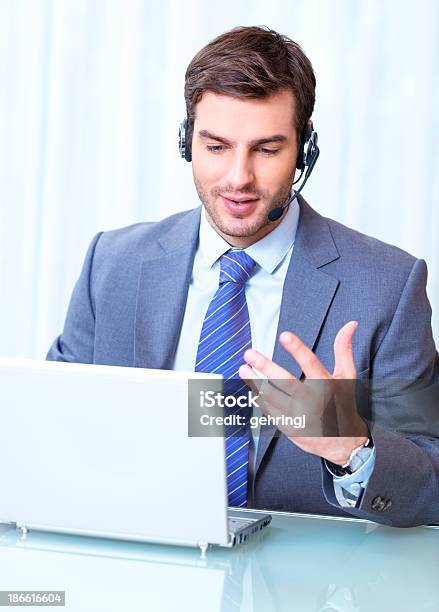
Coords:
pixel 348 489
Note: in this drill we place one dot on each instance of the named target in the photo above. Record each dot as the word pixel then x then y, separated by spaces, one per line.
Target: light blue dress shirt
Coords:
pixel 272 253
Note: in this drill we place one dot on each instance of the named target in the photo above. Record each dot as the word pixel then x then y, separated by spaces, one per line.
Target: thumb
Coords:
pixel 344 358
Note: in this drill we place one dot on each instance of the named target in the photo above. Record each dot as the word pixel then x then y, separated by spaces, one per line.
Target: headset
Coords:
pixel 306 158
pixel 184 143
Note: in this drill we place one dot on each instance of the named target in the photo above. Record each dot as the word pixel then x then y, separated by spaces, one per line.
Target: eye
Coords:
pixel 268 152
pixel 215 148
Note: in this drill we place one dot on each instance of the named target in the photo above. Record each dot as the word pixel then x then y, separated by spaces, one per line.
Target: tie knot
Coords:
pixel 236 267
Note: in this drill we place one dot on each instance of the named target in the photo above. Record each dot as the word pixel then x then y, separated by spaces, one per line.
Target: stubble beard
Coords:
pixel 235 227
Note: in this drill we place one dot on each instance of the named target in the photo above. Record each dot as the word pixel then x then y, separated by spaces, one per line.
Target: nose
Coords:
pixel 241 173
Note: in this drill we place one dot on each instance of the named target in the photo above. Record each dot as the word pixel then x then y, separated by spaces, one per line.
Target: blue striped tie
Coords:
pixel 225 336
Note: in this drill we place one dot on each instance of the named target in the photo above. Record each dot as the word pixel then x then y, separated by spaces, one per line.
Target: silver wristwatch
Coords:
pixel 357 458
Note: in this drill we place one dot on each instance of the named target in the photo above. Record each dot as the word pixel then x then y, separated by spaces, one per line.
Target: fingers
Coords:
pixel 276 403
pixel 278 376
pixel 248 376
pixel 257 360
pixel 344 358
pixel 311 366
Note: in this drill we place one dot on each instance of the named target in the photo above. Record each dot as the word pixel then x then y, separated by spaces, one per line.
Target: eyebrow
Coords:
pixel 252 143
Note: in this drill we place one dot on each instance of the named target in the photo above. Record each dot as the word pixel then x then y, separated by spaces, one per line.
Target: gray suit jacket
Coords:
pixel 127 309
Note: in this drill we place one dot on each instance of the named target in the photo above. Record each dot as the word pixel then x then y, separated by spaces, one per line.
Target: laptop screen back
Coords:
pixel 103 450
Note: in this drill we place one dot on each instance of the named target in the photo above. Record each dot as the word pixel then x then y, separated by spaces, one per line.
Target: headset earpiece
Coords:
pixel 184 143
pixel 302 155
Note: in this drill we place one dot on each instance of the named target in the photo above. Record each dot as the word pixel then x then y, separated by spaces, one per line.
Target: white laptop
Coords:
pixel 105 451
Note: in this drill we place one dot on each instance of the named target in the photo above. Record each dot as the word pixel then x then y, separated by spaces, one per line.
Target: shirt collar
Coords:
pixel 268 252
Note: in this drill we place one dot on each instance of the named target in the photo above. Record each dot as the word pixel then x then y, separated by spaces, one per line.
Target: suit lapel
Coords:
pixel 162 293
pixel 307 295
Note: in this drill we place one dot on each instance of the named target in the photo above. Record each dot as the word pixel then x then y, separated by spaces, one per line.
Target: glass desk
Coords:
pixel 300 562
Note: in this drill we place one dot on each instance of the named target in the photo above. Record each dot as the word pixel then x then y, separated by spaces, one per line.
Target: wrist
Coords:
pixel 344 456
pixel 357 458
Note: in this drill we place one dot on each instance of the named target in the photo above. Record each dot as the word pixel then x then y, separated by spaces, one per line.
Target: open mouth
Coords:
pixel 242 206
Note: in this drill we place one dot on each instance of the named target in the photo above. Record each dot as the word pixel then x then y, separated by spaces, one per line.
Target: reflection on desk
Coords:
pixel 302 563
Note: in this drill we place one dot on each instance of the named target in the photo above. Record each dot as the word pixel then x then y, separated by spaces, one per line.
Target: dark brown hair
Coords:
pixel 251 62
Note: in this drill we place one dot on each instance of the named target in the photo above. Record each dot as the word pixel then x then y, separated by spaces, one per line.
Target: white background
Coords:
pixel 91 96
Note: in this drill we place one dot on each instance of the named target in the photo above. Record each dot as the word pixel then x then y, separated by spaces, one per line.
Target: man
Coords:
pixel 220 289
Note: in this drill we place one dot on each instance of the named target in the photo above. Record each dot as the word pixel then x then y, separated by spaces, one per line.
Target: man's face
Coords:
pixel 243 161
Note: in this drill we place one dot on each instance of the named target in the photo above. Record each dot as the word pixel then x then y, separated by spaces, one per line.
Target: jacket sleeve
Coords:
pixel 403 489
pixel 76 343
